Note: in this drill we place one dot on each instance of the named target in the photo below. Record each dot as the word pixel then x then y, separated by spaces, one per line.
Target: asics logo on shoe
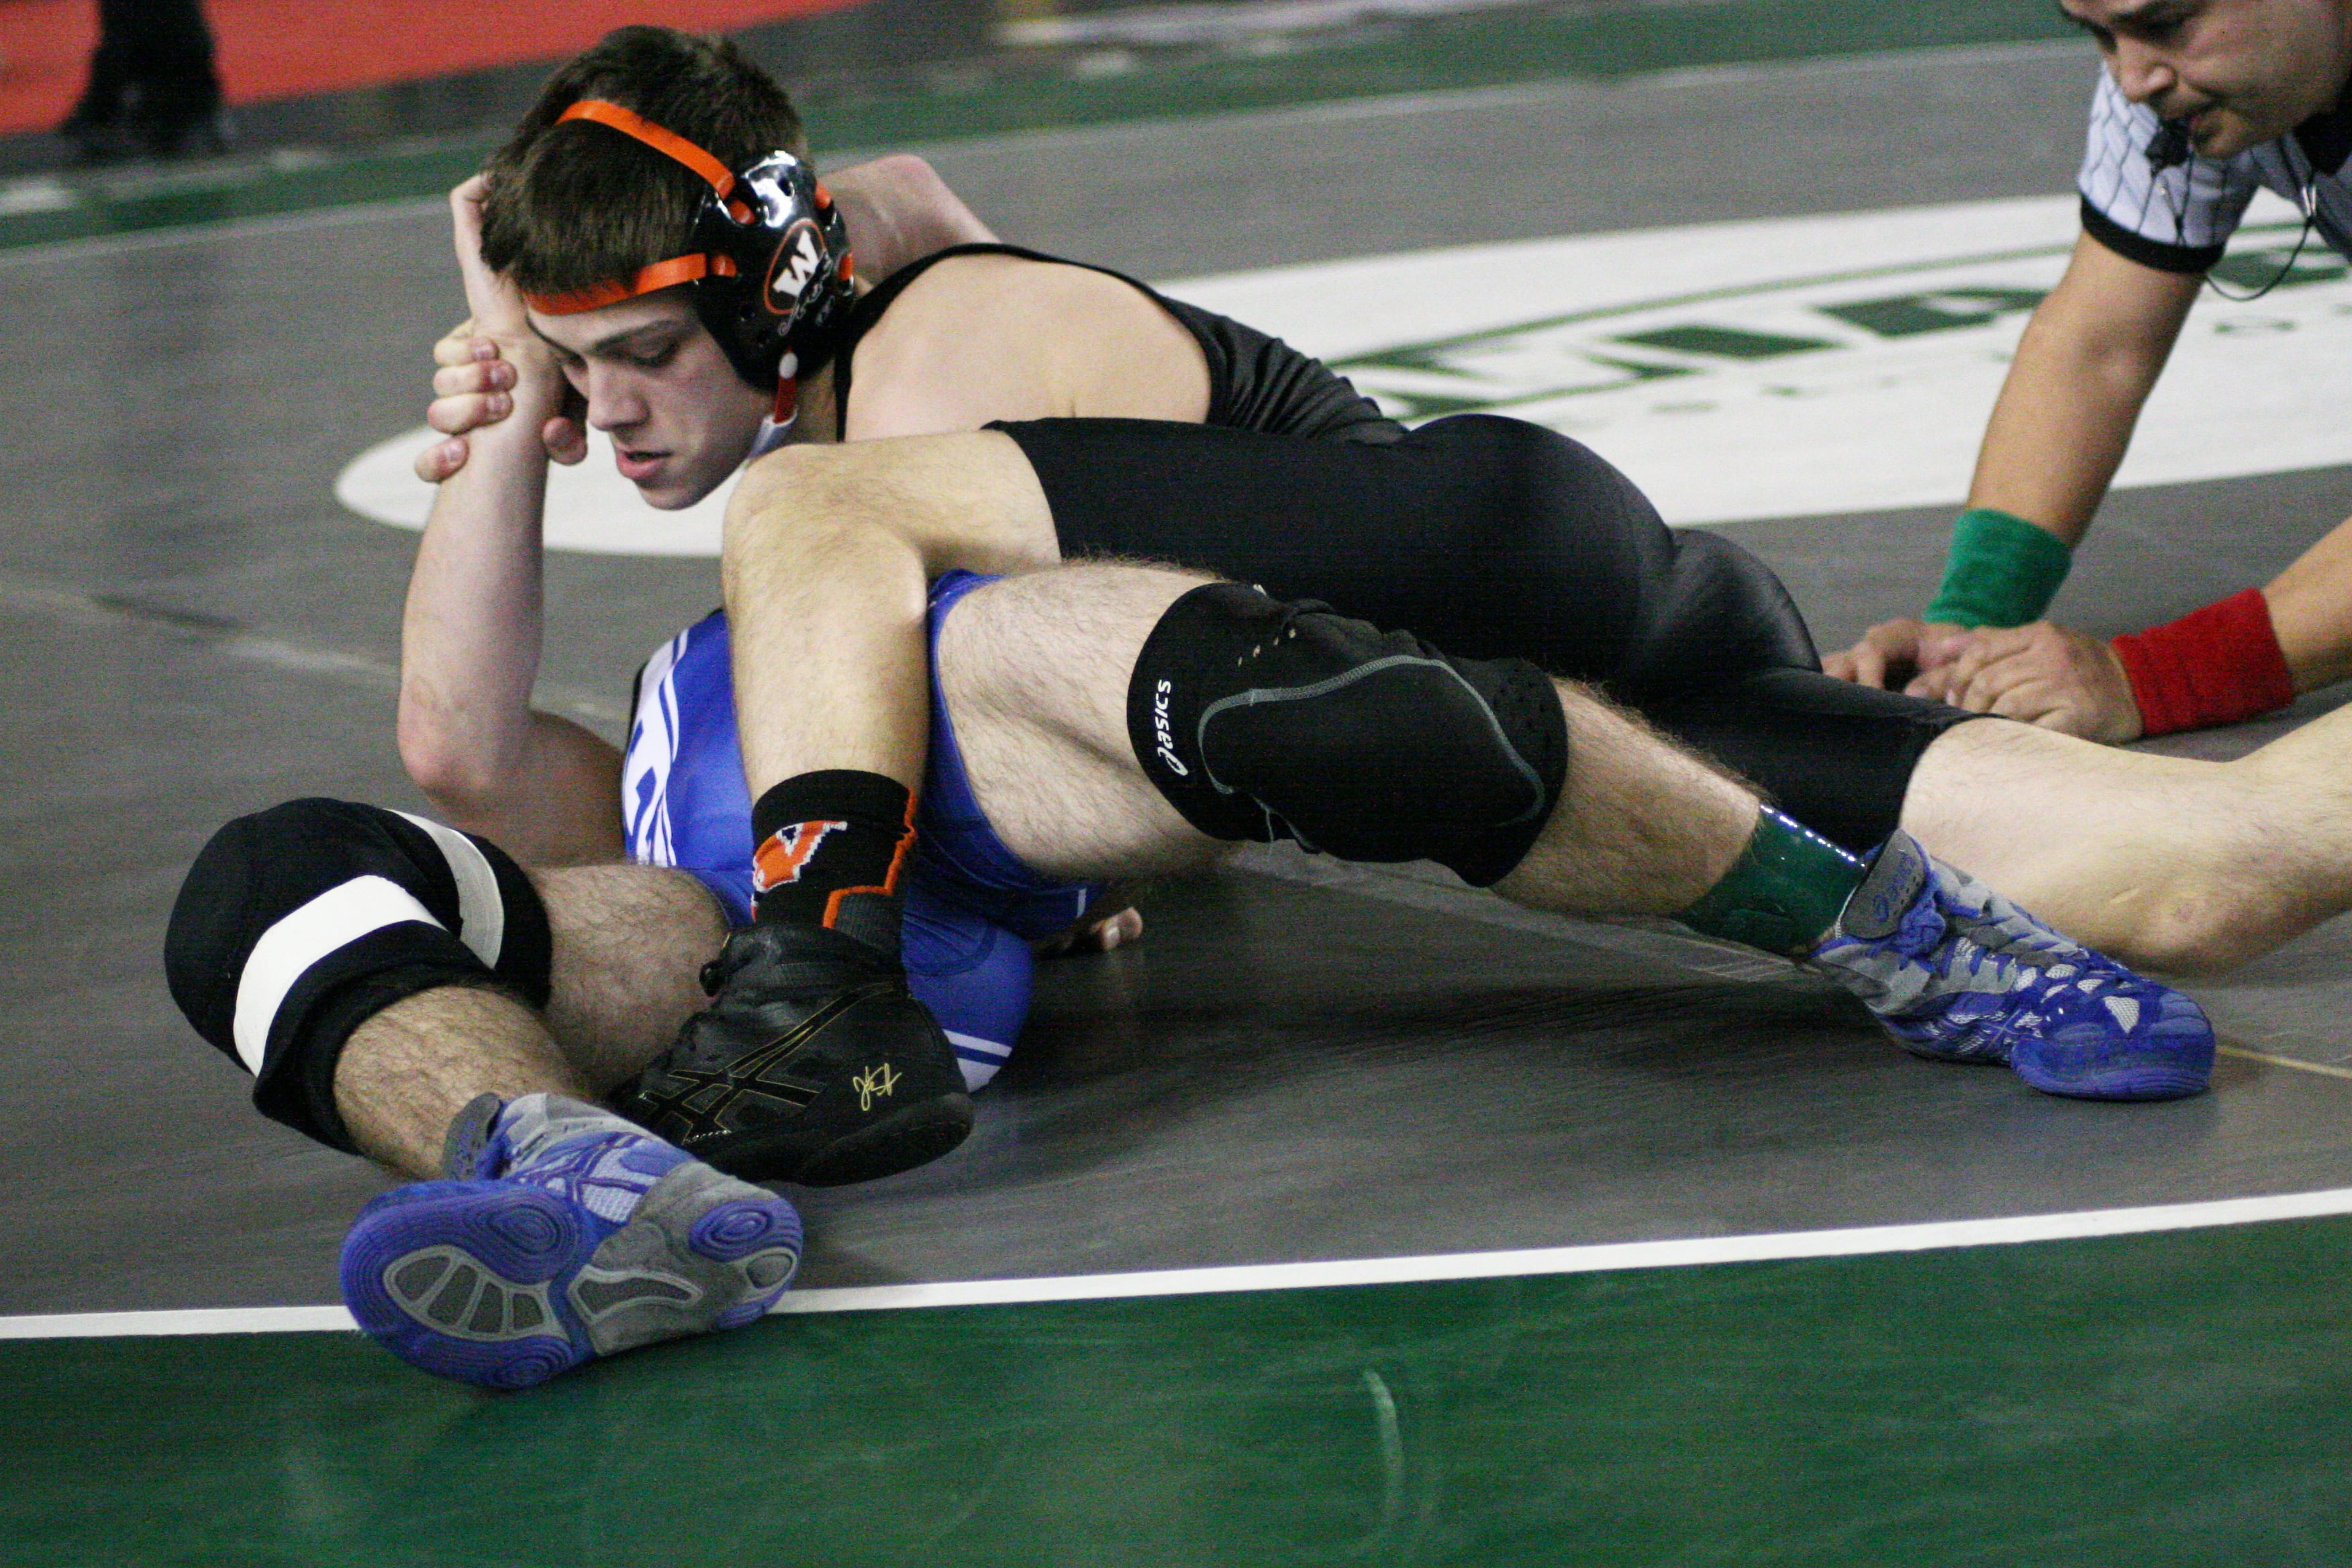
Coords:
pixel 1965 975
pixel 875 1083
pixel 705 1097
pixel 693 1105
pixel 778 861
pixel 1892 885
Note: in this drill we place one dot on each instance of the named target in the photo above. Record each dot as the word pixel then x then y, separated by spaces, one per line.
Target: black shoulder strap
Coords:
pixel 870 305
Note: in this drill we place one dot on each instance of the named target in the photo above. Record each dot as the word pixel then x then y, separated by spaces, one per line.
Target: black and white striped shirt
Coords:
pixel 2178 218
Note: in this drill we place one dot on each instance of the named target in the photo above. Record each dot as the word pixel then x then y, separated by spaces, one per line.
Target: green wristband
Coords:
pixel 2002 570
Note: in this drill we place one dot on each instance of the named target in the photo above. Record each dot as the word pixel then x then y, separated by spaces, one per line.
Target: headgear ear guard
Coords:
pixel 772 267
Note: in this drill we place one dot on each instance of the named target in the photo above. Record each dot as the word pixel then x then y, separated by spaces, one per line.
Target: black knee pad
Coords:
pixel 298 923
pixel 1261 720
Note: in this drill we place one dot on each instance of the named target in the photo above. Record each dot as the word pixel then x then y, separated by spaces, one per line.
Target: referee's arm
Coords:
pixel 2090 356
pixel 2086 363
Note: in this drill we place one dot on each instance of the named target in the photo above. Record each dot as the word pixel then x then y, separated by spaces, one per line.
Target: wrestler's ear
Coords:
pixel 565 436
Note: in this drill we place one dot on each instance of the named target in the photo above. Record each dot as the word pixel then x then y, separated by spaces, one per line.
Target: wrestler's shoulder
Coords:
pixel 1012 286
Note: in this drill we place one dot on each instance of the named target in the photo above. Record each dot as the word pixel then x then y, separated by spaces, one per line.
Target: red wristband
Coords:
pixel 2213 666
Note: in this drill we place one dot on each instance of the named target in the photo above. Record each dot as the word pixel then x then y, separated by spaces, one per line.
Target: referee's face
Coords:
pixel 2237 72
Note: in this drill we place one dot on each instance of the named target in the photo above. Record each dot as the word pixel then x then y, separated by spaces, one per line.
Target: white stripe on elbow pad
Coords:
pixel 335 919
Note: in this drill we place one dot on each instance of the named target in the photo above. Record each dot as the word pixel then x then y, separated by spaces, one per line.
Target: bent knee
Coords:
pixel 794 486
pixel 2197 926
pixel 296 924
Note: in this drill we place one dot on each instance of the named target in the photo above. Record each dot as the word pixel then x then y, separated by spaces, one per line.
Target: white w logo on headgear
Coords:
pixel 797 261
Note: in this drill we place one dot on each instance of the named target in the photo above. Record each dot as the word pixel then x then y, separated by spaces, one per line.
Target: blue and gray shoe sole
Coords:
pixel 506 1285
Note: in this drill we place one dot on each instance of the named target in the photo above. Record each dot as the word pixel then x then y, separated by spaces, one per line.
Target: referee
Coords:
pixel 2202 102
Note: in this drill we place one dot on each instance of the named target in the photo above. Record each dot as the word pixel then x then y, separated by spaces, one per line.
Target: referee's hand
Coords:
pixel 1898 654
pixel 2044 675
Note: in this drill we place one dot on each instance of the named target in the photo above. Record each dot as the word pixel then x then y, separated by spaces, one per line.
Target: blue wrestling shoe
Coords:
pixel 563 1234
pixel 1957 972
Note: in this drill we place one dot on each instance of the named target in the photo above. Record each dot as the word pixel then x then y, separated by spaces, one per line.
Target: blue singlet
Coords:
pixel 970 907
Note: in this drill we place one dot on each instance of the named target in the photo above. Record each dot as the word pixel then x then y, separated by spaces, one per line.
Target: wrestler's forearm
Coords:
pixel 2088 359
pixel 544 788
pixel 898 210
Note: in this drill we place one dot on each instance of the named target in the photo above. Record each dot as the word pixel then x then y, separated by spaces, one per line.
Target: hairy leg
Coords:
pixel 1035 670
pixel 628 944
pixel 2165 862
pixel 407 1072
pixel 1644 827
pixel 828 554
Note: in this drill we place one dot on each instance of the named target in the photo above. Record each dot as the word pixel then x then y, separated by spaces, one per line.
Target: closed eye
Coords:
pixel 2154 24
pixel 2101 36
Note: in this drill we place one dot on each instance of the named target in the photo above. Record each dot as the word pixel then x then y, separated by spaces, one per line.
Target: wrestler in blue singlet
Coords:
pixel 970 907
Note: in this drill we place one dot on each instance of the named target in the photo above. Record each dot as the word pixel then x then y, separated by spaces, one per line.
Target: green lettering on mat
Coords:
pixel 1936 310
pixel 1725 343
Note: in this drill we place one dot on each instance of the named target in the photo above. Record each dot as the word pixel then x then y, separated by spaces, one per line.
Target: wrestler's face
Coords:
pixel 656 381
pixel 2237 71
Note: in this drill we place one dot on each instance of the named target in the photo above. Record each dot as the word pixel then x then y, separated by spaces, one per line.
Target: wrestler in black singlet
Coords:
pixel 1256 382
pixel 1490 537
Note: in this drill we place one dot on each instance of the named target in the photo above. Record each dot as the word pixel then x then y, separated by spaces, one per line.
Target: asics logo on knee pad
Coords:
pixel 1166 751
pixel 1258 720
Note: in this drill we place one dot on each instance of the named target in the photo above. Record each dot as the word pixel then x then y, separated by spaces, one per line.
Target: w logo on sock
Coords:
pixel 778 861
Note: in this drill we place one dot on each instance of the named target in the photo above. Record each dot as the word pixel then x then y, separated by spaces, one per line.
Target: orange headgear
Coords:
pixel 773 223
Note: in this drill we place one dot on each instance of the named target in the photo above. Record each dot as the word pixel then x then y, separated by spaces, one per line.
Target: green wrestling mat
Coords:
pixel 2155 1399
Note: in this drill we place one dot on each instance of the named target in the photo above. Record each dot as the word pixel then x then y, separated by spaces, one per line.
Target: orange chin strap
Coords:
pixel 661 274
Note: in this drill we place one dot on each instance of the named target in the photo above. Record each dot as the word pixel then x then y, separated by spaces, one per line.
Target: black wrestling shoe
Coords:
pixel 812 1064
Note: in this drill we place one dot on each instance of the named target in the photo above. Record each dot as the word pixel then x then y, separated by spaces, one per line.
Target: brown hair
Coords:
pixel 578 204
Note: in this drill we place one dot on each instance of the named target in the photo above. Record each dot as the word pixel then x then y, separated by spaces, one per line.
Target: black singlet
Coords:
pixel 1256 382
pixel 1492 537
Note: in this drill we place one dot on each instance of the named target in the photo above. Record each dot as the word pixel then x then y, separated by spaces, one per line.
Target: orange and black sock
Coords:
pixel 832 847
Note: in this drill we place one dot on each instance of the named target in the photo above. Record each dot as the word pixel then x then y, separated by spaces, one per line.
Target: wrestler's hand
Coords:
pixel 1098 933
pixel 2045 675
pixel 472 387
pixel 483 359
pixel 1897 653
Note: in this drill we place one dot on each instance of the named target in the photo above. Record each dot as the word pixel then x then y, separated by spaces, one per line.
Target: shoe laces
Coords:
pixel 2010 965
pixel 605 1173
